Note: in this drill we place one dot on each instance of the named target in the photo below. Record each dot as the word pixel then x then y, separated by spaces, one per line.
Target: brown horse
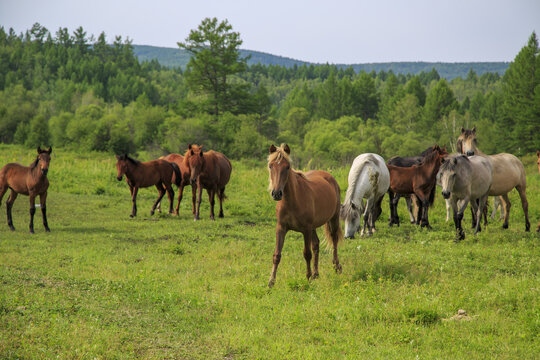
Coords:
pixel 27 180
pixel 145 174
pixel 419 180
pixel 184 180
pixel 210 170
pixel 508 173
pixel 305 201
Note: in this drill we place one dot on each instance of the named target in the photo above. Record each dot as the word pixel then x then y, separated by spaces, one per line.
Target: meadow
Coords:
pixel 103 285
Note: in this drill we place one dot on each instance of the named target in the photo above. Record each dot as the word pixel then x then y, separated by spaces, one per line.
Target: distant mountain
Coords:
pixel 179 57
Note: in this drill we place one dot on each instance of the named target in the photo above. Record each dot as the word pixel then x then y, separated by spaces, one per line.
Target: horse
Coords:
pixel 27 180
pixel 144 174
pixel 210 170
pixel 466 179
pixel 368 179
pixel 508 173
pixel 305 201
pixel 408 162
pixel 418 180
pixel 184 180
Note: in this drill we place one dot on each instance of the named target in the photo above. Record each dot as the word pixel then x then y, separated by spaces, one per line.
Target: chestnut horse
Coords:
pixel 418 180
pixel 305 201
pixel 27 180
pixel 508 173
pixel 144 174
pixel 184 180
pixel 210 170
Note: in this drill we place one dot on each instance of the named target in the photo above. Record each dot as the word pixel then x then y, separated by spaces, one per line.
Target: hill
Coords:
pixel 171 57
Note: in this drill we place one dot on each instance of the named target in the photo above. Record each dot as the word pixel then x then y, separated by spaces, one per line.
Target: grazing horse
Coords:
pixel 210 170
pixel 408 162
pixel 305 201
pixel 508 173
pixel 418 180
pixel 368 179
pixel 184 180
pixel 466 180
pixel 144 174
pixel 27 180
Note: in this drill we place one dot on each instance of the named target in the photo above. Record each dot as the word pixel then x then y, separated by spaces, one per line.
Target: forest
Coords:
pixel 70 90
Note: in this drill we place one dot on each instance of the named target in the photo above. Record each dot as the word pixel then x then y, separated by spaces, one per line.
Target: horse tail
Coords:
pixel 432 196
pixel 332 229
pixel 177 174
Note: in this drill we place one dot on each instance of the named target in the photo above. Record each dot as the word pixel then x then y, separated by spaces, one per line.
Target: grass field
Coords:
pixel 102 285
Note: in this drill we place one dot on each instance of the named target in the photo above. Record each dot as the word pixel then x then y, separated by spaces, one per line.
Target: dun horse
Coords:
pixel 210 170
pixel 368 179
pixel 418 180
pixel 184 180
pixel 465 180
pixel 27 180
pixel 144 174
pixel 508 173
pixel 305 201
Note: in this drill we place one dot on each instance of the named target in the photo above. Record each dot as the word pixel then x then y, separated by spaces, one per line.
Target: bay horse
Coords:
pixel 144 174
pixel 27 180
pixel 305 201
pixel 508 173
pixel 210 170
pixel 463 180
pixel 368 179
pixel 409 161
pixel 418 180
pixel 184 180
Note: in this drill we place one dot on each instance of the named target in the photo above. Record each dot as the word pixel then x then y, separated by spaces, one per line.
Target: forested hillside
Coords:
pixel 68 89
pixel 179 58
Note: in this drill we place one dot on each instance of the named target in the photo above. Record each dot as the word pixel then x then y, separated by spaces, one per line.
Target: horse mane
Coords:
pixel 428 151
pixel 352 187
pixel 450 165
pixel 132 160
pixel 347 212
pixel 278 156
pixel 34 164
pixel 430 157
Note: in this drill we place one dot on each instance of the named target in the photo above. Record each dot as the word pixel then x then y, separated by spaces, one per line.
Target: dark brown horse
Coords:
pixel 305 201
pixel 210 170
pixel 419 180
pixel 184 180
pixel 27 180
pixel 145 174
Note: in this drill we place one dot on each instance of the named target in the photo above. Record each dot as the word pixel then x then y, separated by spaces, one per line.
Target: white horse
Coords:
pixel 465 180
pixel 369 179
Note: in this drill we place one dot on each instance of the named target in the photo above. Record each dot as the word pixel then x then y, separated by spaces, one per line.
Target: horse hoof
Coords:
pixel 131 215
pixel 47 230
pixel 505 226
pixel 151 213
pixel 221 215
pixel 271 283
pixel 315 276
pixel 338 268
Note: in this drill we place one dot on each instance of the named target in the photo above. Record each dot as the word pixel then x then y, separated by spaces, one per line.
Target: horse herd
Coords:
pixel 308 200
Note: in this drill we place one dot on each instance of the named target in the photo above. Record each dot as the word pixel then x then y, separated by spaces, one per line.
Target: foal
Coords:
pixel 418 180
pixel 305 201
pixel 27 180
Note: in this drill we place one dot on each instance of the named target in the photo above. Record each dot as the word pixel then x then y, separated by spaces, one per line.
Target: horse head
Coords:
pixel 278 166
pixel 43 159
pixel 352 217
pixel 195 160
pixel 121 166
pixel 467 142
pixel 448 175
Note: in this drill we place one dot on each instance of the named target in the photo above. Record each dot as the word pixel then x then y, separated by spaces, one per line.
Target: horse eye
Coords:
pixel 270 166
pixel 288 167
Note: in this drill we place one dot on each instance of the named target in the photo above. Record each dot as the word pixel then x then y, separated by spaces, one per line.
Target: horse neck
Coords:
pixel 290 189
pixel 479 152
pixel 130 173
pixel 36 174
pixel 432 169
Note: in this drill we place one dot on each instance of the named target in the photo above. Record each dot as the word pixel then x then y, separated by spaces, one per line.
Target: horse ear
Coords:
pixel 538 153
pixel 189 146
pixel 443 160
pixel 462 130
pixel 474 130
pixel 192 153
pixel 272 149
pixel 201 153
pixel 287 149
pixel 50 150
pixel 200 146
pixel 454 160
pixel 117 157
pixel 39 150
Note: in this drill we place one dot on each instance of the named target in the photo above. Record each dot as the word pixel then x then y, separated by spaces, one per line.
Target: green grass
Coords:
pixel 103 285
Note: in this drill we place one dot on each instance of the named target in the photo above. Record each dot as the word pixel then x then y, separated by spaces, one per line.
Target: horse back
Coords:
pixel 179 160
pixel 17 177
pixel 218 168
pixel 481 176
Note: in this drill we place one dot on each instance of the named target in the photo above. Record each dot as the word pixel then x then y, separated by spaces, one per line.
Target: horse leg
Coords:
pixel 212 199
pixel 460 235
pixel 170 195
pixel 475 219
pixel 307 252
pixel 448 209
pixel 394 218
pixel 506 206
pixel 335 233
pixel 180 194
pixel 461 210
pixel 425 218
pixel 315 248
pixel 159 187
pixel 194 197
pixel 367 212
pixel 482 202
pixel 158 207
pixel 280 239
pixel 134 201
pixel 32 212
pixel 221 196
pixel 9 204
pixel 43 204
pixel 408 201
pixel 199 188
pixel 2 192
pixel 524 205
pixel 419 211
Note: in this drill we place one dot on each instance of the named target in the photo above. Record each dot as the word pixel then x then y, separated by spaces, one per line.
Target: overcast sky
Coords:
pixel 333 31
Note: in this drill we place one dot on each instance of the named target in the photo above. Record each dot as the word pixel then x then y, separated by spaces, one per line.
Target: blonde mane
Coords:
pixel 277 156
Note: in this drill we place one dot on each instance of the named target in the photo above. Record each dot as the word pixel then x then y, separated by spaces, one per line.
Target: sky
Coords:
pixel 320 31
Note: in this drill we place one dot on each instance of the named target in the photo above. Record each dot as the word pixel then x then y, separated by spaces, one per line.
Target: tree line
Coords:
pixel 73 90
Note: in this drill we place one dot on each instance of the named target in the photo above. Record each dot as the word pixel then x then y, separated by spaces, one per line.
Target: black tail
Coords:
pixel 177 174
pixel 432 196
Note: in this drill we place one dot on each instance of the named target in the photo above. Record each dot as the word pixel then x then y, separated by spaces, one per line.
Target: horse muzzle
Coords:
pixel 277 194
pixel 349 236
pixel 44 171
pixel 470 153
pixel 446 194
